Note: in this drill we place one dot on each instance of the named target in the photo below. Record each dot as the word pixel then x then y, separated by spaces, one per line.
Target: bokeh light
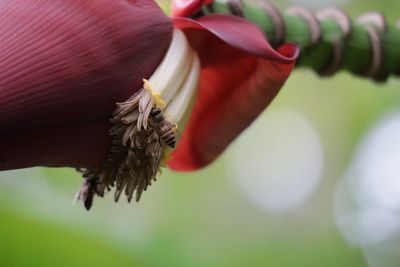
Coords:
pixel 367 202
pixel 277 162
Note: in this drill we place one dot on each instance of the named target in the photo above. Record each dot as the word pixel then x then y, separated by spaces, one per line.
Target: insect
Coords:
pixel 87 192
pixel 163 127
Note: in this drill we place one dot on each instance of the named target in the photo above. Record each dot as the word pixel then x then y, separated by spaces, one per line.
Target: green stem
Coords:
pixel 356 49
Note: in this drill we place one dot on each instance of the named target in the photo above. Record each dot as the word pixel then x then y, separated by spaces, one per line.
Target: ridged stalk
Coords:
pixel 329 40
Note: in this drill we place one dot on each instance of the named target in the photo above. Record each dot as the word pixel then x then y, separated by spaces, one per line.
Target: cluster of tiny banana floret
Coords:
pixel 143 127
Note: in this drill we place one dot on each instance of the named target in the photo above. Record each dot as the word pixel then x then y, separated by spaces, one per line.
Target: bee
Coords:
pixel 163 127
pixel 87 192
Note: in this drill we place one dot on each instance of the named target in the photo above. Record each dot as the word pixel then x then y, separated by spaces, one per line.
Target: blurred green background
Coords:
pixel 291 191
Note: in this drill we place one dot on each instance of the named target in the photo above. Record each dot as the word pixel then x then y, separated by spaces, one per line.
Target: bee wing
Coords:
pixel 82 192
pixel 178 133
pixel 77 196
pixel 174 127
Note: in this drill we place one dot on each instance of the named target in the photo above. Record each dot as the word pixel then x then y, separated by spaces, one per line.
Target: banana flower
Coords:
pixel 79 79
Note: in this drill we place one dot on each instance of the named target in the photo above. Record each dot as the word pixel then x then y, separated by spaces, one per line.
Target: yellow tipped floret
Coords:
pixel 175 127
pixel 157 96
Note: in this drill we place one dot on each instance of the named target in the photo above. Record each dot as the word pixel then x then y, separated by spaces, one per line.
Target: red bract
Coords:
pixel 241 73
pixel 65 63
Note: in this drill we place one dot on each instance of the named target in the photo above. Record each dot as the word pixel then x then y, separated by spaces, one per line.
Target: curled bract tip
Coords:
pixel 240 34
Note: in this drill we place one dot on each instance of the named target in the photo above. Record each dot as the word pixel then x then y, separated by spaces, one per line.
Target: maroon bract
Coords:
pixel 63 66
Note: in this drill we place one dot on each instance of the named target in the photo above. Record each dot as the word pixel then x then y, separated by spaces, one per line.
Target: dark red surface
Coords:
pixel 64 64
